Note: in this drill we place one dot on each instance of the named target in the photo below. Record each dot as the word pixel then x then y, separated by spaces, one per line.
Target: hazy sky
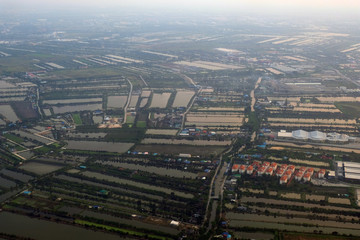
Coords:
pixel 319 4
pixel 260 6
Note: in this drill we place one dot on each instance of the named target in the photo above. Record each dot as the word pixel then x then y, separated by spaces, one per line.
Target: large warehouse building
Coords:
pixel 348 170
pixel 316 136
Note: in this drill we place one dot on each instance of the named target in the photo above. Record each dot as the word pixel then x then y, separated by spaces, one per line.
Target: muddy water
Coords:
pixel 43 230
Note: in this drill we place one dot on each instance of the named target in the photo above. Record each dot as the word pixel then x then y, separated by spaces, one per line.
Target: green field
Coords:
pixel 130 119
pixel 19 148
pixel 141 124
pixel 13 138
pixel 77 118
pixel 339 83
pixel 96 72
pixel 350 109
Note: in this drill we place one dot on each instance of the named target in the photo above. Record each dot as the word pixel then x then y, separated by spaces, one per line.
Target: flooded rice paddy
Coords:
pixel 5 183
pixel 40 168
pixel 33 137
pixel 169 132
pixel 44 230
pixel 136 184
pixel 131 222
pixel 72 101
pixel 86 135
pixel 157 170
pixel 16 175
pixel 77 180
pixel 238 218
pixel 99 146
pixel 8 113
pixel 76 108
pixel 185 142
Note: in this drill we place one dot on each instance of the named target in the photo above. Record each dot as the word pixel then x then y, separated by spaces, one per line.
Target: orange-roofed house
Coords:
pixel 321 173
pixel 242 169
pixel 250 169
pixel 274 165
pixel 288 173
pixel 279 172
pixel 235 168
pixel 298 176
pixel 261 171
pixel 269 171
pixel 266 164
pixel 307 177
pixel 291 168
pixel 283 179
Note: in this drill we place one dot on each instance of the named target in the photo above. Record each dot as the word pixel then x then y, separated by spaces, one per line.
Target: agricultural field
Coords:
pixel 98 146
pixel 8 113
pixel 72 101
pixel 116 101
pixel 76 108
pixel 213 119
pixel 171 149
pixel 169 132
pixel 133 101
pixel 185 142
pixel 160 100
pixel 349 109
pixel 40 168
pixel 208 65
pixel 182 98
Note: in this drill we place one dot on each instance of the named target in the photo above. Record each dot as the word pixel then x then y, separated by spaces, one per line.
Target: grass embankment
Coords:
pixel 116 229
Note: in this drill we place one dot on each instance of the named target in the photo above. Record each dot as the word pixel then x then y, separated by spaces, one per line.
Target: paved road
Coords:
pixel 218 179
pixel 347 78
pixel 128 101
pixel 144 81
pixel 252 94
pixel 188 80
pixel 37 101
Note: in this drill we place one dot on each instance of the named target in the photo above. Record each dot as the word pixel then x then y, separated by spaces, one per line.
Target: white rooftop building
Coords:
pixel 300 135
pixel 348 170
pixel 316 136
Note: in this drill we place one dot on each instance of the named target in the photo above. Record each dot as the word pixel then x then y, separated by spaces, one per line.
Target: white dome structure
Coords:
pixel 317 136
pixel 300 134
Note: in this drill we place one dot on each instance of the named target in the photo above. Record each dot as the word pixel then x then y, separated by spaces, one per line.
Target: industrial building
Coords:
pixel 348 170
pixel 316 136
